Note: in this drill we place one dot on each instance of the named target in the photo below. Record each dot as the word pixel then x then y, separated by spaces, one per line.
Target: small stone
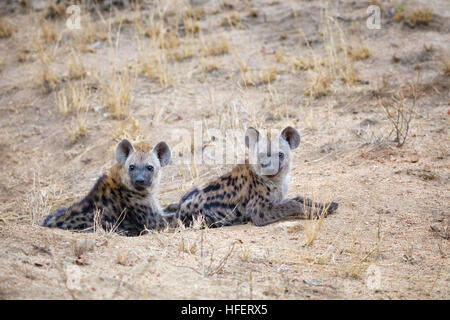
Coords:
pixel 290 226
pixel 368 122
pixel 414 159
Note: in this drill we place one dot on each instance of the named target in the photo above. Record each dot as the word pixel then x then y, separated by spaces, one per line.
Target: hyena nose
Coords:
pixel 264 156
pixel 140 180
pixel 265 165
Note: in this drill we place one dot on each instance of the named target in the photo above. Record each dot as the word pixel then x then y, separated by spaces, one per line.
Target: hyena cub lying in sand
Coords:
pixel 252 192
pixel 124 198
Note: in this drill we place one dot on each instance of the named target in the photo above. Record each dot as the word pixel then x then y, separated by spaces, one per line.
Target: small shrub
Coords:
pixel 420 17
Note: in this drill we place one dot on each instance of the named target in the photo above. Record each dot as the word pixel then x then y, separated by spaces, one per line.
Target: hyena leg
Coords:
pixel 318 208
pixel 262 214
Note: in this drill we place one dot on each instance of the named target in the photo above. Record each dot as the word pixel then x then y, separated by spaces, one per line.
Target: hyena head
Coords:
pixel 271 155
pixel 140 165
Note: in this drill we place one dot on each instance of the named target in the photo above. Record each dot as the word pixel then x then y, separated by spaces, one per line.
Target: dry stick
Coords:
pixel 402 118
pixel 435 280
pixel 378 243
pixel 440 268
pixel 251 286
pixel 210 270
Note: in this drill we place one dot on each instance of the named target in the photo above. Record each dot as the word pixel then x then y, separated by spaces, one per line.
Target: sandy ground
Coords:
pixel 389 237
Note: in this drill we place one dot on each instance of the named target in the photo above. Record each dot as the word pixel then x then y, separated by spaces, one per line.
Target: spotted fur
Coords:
pixel 252 192
pixel 124 198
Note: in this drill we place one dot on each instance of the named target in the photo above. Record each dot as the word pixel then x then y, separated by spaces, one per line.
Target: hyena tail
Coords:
pixel 53 220
pixel 171 208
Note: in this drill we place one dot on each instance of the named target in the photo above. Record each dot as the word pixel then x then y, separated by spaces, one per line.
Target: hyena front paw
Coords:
pixel 333 207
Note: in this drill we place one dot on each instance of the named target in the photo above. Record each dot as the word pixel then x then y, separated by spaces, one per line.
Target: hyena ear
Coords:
pixel 291 136
pixel 123 150
pixel 251 137
pixel 162 152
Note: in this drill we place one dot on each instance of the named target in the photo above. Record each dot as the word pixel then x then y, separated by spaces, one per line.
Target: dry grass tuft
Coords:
pixel 395 58
pixel 302 63
pixel 78 128
pixel 79 97
pixel 23 55
pixel 117 94
pixel 55 11
pixel 39 198
pixel 215 48
pixel 420 17
pixel 90 33
pixel 231 19
pixel 126 258
pixel 245 253
pixel 156 67
pixel 147 65
pixel 49 32
pixel 247 79
pixel 6 28
pixel 320 83
pixel 196 13
pixel 253 13
pixel 266 76
pixel 167 40
pixel 269 75
pixel 190 26
pixel 399 14
pixel 349 73
pixel 361 262
pixel 279 56
pixel 62 103
pixel 361 53
pixel 209 65
pixel 208 264
pixel 400 113
pixel 445 64
pixel 312 226
pixel 127 129
pixel 142 28
pixel 154 30
pixel 333 64
pixel 75 67
pixel 75 98
pixel 187 246
pixel 183 53
pixel 47 79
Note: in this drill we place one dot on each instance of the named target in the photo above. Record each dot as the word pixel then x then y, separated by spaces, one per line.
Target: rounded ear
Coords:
pixel 123 150
pixel 291 136
pixel 251 137
pixel 162 152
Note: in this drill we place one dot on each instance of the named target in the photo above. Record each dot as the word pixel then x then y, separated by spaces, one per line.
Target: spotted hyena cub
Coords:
pixel 255 191
pixel 123 200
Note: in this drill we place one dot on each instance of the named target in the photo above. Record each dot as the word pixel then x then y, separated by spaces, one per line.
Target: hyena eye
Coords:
pixel 132 167
pixel 281 155
pixel 150 168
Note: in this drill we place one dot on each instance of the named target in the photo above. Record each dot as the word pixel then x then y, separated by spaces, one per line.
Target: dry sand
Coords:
pixel 389 238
